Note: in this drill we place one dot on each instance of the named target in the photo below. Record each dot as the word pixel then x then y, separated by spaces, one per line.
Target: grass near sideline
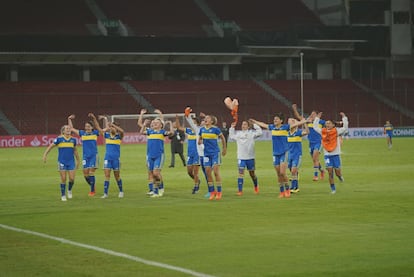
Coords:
pixel 366 229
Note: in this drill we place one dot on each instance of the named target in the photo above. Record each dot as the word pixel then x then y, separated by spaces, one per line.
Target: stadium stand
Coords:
pixel 264 15
pixel 207 96
pixel 43 107
pixel 158 17
pixel 45 17
pixel 334 96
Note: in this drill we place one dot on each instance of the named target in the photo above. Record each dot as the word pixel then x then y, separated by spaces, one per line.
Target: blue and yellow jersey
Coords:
pixel 279 138
pixel 313 136
pixel 210 136
pixel 388 129
pixel 89 143
pixel 155 142
pixel 66 149
pixel 295 143
pixel 113 146
pixel 191 142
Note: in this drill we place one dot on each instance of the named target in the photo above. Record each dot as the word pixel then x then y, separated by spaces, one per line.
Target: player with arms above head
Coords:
pixel 246 156
pixel 68 159
pixel 90 160
pixel 208 135
pixel 315 143
pixel 155 150
pixel 332 146
pixel 113 134
pixel 295 152
pixel 280 149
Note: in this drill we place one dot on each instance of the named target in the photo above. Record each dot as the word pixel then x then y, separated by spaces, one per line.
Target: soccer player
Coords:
pixel 155 150
pixel 89 137
pixel 331 146
pixel 113 135
pixel 68 159
pixel 208 135
pixel 295 152
pixel 195 125
pixel 388 133
pixel 280 149
pixel 315 144
pixel 193 159
pixel 245 140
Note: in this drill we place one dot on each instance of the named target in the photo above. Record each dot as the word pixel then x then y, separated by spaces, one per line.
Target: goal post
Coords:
pixel 128 122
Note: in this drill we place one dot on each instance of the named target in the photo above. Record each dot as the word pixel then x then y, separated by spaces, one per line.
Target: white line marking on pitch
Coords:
pixel 110 252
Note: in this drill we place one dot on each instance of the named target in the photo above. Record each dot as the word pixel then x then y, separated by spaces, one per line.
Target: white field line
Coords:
pixel 109 252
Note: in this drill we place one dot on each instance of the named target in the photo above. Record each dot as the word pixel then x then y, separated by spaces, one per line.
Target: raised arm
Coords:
pixel 316 126
pixel 296 113
pixel 232 131
pixel 96 123
pixel 345 124
pixel 118 129
pixel 261 124
pixel 70 123
pixel 258 131
pixel 161 116
pixel 139 122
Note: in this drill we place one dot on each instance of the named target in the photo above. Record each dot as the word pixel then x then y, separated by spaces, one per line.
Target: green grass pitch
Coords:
pixel 366 229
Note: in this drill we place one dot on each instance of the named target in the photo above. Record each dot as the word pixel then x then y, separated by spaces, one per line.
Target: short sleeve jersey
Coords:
pixel 66 149
pixel 192 142
pixel 155 142
pixel 313 136
pixel 210 136
pixel 295 142
pixel 279 138
pixel 89 143
pixel 113 146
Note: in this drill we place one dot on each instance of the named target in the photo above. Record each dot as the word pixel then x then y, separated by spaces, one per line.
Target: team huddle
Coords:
pixel 203 150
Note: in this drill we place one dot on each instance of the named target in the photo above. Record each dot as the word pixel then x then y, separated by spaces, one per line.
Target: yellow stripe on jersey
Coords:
pixel 156 136
pixel 294 139
pixel 191 137
pixel 66 145
pixel 209 136
pixel 113 141
pixel 310 125
pixel 279 133
pixel 388 128
pixel 90 137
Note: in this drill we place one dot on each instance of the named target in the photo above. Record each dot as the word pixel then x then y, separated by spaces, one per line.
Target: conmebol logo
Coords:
pixel 35 142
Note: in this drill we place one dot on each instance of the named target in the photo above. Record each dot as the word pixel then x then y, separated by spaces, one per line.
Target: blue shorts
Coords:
pixel 315 147
pixel 249 164
pixel 112 164
pixel 295 161
pixel 212 160
pixel 155 162
pixel 333 161
pixel 193 160
pixel 282 158
pixel 68 166
pixel 90 162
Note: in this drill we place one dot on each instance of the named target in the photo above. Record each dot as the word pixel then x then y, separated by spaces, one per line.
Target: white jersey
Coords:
pixel 196 129
pixel 245 141
pixel 340 131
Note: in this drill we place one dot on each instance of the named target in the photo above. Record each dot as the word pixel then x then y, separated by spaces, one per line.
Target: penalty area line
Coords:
pixel 109 252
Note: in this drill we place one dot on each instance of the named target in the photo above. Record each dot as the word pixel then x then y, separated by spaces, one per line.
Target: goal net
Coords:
pixel 129 122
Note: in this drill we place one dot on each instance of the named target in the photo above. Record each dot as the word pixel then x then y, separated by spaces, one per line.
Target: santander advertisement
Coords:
pixel 45 140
